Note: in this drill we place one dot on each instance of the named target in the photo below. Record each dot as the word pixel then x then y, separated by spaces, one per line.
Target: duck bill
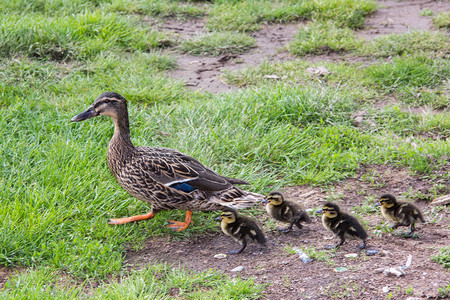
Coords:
pixel 320 211
pixel 378 204
pixel 265 201
pixel 218 219
pixel 87 114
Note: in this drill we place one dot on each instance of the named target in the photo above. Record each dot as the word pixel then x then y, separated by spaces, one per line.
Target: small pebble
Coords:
pixel 386 289
pixel 220 256
pixel 371 252
pixel 351 255
pixel 340 269
pixel 237 269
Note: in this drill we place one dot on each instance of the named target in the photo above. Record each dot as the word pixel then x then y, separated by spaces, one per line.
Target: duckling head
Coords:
pixel 228 216
pixel 107 104
pixel 330 210
pixel 387 201
pixel 274 198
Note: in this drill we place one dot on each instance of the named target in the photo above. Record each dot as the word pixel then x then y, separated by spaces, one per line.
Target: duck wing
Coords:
pixel 173 168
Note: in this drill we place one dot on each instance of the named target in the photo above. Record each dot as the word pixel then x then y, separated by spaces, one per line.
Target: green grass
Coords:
pixel 156 8
pixel 317 38
pixel 81 36
pixel 217 43
pixel 153 282
pixel 247 15
pixel 444 291
pixel 367 207
pixel 159 8
pixel 426 12
pixel 417 80
pixel 442 20
pixel 410 43
pixel 443 257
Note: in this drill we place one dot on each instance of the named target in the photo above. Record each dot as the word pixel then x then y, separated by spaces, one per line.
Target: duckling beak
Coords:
pixel 87 114
pixel 218 219
pixel 320 211
pixel 265 201
pixel 378 204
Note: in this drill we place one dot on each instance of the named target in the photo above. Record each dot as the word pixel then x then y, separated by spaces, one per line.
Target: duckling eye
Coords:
pixel 107 101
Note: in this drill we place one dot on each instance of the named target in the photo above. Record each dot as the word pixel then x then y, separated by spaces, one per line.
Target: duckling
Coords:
pixel 240 228
pixel 341 224
pixel 163 177
pixel 403 213
pixel 285 211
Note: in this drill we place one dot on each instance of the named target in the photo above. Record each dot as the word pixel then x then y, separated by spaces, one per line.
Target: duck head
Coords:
pixel 274 198
pixel 228 216
pixel 330 210
pixel 107 104
pixel 387 201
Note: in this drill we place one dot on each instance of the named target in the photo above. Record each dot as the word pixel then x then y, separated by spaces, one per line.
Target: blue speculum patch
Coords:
pixel 184 187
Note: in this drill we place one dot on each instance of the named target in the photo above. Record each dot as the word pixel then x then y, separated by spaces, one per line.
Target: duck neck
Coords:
pixel 120 145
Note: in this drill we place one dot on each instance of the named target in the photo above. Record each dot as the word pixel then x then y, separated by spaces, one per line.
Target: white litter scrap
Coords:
pixel 408 262
pixel 397 271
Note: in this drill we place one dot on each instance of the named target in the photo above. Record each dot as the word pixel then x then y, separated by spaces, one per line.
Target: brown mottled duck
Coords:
pixel 403 213
pixel 163 177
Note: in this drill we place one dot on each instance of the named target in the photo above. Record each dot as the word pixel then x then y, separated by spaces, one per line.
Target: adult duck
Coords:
pixel 163 177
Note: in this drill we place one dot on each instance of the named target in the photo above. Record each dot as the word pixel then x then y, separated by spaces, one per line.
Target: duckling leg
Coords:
pixel 363 245
pixel 413 228
pixel 179 226
pixel 396 225
pixel 244 244
pixel 328 247
pixel 298 224
pixel 287 229
pixel 131 219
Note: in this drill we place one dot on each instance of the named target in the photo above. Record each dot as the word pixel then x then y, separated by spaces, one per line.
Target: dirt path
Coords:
pixel 201 72
pixel 288 278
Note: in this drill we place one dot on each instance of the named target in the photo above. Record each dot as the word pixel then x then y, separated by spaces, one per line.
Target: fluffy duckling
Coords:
pixel 240 228
pixel 403 213
pixel 285 211
pixel 341 224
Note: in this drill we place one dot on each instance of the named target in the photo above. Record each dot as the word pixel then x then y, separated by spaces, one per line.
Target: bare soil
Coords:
pixel 288 278
pixel 204 73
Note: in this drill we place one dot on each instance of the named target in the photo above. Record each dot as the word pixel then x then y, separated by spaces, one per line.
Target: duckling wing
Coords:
pixel 173 168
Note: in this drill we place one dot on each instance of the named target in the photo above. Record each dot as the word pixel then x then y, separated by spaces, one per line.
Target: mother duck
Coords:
pixel 165 178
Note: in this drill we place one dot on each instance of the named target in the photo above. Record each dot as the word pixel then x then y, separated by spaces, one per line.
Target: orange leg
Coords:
pixel 179 226
pixel 131 219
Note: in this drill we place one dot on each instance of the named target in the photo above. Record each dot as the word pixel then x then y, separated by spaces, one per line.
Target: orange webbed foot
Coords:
pixel 131 219
pixel 180 226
